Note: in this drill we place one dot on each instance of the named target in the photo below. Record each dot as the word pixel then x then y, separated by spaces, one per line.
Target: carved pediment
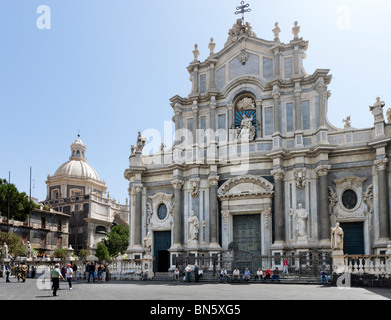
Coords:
pixel 245 186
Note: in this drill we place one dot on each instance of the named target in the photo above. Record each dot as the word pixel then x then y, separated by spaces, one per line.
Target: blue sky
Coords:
pixel 109 67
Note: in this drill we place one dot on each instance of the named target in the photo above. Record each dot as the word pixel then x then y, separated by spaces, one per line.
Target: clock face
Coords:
pixel 349 199
pixel 162 211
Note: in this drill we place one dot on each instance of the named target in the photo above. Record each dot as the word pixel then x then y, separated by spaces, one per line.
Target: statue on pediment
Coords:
pixel 140 142
pixel 239 29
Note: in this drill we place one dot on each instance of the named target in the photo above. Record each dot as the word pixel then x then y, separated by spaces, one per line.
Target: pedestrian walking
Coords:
pixel 55 276
pixel 68 275
pixel 74 268
pixel 286 267
pixel 7 272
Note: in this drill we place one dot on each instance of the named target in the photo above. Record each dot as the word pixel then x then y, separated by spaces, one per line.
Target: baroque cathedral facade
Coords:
pixel 256 163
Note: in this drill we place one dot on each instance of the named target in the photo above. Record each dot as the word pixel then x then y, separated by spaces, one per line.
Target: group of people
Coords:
pixel 21 271
pixel 186 274
pixel 260 275
pixel 98 272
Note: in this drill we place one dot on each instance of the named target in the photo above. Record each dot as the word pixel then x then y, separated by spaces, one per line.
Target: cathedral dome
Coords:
pixel 77 168
pixel 77 165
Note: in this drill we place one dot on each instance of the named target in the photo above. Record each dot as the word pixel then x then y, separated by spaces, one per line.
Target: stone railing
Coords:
pixel 131 269
pixel 368 264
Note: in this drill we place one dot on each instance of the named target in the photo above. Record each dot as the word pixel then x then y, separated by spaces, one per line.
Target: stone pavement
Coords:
pixel 158 290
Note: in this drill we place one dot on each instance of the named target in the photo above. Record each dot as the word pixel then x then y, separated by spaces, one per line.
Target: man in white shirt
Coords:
pixel 236 274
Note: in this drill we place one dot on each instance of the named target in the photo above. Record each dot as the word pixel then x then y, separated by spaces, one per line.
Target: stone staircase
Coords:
pixel 209 278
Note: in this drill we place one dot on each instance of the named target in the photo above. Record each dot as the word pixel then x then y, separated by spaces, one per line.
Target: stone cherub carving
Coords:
pixel 239 29
pixel 337 238
pixel 347 122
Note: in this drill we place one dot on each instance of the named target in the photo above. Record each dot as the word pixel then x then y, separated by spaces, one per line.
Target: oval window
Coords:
pixel 349 199
pixel 162 211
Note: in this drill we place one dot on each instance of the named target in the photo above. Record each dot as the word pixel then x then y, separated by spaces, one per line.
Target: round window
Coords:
pixel 162 211
pixel 349 199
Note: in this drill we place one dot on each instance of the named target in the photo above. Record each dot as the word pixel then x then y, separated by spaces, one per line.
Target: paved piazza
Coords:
pixel 129 290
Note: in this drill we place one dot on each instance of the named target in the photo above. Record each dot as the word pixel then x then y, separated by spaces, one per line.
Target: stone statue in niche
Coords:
pixel 246 130
pixel 301 217
pixel 337 238
pixel 194 227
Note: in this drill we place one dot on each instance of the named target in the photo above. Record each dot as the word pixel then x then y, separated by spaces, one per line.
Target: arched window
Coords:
pixel 101 230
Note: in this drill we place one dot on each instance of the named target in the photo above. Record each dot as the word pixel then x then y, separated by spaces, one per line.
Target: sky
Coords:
pixel 106 69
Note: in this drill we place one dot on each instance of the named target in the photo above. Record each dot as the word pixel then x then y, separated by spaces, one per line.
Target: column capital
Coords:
pixel 278 174
pixel 213 180
pixel 381 164
pixel 136 188
pixel 230 107
pixel 177 184
pixel 322 170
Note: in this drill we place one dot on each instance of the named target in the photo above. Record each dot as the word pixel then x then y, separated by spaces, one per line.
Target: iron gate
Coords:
pixel 305 264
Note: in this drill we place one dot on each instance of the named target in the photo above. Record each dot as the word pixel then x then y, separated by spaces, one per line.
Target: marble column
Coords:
pixel 278 176
pixel 325 226
pixel 137 191
pixel 212 77
pixel 384 214
pixel 213 185
pixel 230 123
pixel 298 121
pixel 276 116
pixel 195 122
pixel 177 111
pixel 177 239
pixel 322 91
pixel 258 105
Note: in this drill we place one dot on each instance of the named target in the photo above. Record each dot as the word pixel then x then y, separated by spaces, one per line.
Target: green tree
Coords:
pixel 18 201
pixel 117 240
pixel 61 254
pixel 14 242
pixel 83 254
pixel 101 252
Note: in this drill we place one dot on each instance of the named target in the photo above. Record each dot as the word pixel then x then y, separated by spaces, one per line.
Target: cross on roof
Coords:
pixel 242 9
